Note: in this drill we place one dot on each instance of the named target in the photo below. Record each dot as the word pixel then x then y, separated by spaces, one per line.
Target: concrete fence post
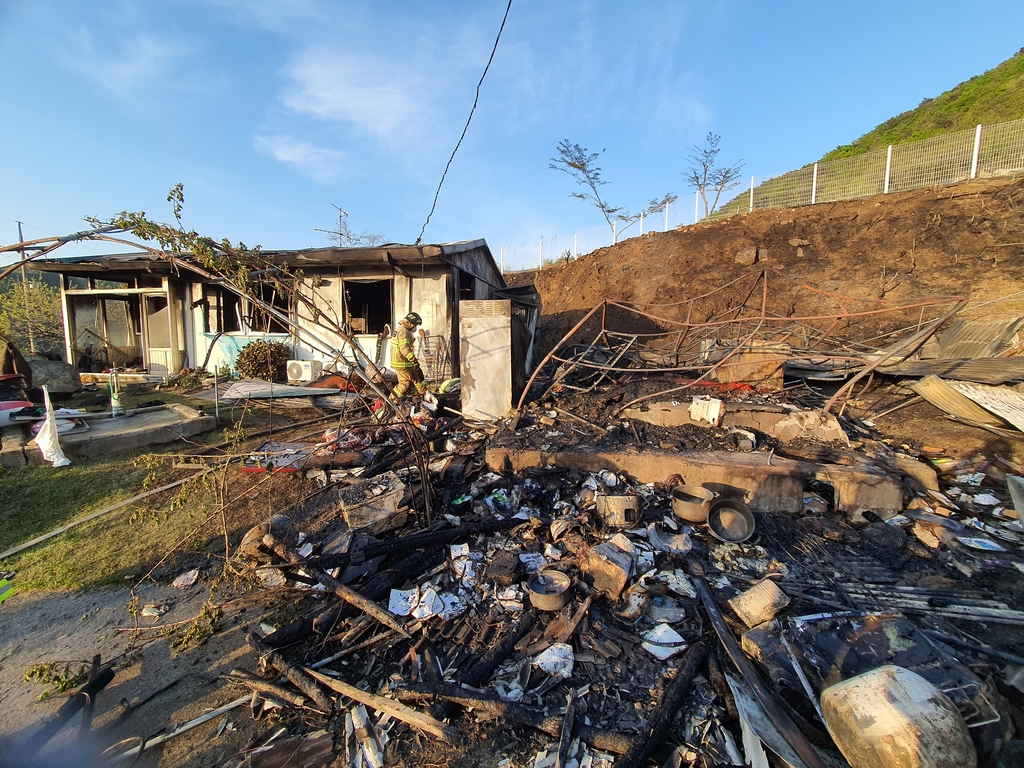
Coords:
pixel 641 223
pixel 977 150
pixel 666 216
pixel 751 194
pixel 814 185
pixel 888 170
pixel 696 207
pixel 576 245
pixel 540 250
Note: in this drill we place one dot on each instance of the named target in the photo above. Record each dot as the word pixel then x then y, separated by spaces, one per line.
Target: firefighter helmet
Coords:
pixel 414 318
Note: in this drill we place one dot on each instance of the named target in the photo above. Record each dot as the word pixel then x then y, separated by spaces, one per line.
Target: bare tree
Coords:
pixel 344 236
pixel 706 177
pixel 581 165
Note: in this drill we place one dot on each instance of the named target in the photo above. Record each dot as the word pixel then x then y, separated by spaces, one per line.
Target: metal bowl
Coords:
pixel 730 521
pixel 548 590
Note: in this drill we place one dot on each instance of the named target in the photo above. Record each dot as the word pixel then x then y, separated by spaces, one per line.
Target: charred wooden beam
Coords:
pixel 520 714
pixel 82 698
pixel 376 588
pixel 388 706
pixel 346 593
pixel 484 668
pixel 414 541
pixel 659 721
pixel 296 675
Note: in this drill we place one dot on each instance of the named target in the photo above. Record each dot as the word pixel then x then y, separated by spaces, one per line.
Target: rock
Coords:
pixel 799 253
pixel 762 254
pixel 796 242
pixel 918 471
pixel 746 256
pixel 607 569
pixel 760 603
pixel 58 377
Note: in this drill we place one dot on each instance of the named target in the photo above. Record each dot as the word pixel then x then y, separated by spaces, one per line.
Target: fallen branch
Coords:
pixel 388 706
pixel 258 684
pixel 296 675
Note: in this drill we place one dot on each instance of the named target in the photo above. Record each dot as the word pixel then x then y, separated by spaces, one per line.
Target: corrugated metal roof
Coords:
pixel 984 370
pixel 979 338
pixel 394 254
pixel 1000 401
pixel 944 397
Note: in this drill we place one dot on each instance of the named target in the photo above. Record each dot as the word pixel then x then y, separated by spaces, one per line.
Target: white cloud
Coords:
pixel 136 66
pixel 385 99
pixel 319 163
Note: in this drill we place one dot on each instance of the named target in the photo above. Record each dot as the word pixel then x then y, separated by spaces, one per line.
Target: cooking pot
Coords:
pixel 692 502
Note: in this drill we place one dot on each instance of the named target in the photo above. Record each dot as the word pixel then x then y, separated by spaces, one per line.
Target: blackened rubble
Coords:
pixel 640 664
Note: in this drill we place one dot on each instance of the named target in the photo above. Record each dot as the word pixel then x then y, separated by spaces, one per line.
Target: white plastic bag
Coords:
pixel 47 439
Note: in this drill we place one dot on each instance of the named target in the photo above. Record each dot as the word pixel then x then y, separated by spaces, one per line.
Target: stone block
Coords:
pixel 746 256
pixel 760 603
pixel 607 569
pixel 57 376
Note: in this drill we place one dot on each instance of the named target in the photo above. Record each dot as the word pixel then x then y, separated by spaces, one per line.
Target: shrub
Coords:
pixel 263 360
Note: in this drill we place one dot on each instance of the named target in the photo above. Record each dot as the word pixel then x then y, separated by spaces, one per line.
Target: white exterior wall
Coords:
pixel 427 295
pixel 485 336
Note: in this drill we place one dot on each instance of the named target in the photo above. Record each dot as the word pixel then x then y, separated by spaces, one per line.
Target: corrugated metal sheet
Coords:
pixel 992 370
pixel 943 396
pixel 1003 402
pixel 968 339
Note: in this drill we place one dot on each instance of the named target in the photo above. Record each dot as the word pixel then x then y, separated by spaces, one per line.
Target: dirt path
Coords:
pixel 37 627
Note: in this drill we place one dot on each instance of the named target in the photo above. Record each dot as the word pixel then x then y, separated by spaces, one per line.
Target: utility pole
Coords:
pixel 24 288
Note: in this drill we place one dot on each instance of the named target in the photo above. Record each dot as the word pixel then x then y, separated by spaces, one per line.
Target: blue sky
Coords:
pixel 272 111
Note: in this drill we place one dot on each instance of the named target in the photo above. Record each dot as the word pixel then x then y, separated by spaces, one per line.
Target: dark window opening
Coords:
pixel 368 305
pixel 226 312
pixel 467 286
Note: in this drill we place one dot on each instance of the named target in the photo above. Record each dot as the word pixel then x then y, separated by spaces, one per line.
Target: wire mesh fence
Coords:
pixel 984 151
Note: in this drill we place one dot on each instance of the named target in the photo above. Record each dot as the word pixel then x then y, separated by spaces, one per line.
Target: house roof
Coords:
pixel 393 254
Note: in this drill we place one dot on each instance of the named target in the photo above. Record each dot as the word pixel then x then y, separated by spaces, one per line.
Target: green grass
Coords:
pixel 122 546
pixel 115 549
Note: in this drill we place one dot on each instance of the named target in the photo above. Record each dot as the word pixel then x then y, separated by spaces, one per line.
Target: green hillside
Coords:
pixel 993 97
pixel 997 96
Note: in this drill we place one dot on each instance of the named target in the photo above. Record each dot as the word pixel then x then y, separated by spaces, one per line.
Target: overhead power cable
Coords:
pixel 466 128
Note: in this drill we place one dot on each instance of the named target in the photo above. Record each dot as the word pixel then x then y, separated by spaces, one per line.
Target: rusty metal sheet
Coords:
pixel 943 396
pixel 969 339
pixel 1003 402
pixel 994 370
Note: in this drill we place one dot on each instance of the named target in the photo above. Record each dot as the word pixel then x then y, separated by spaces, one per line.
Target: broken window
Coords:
pixel 368 305
pixel 225 311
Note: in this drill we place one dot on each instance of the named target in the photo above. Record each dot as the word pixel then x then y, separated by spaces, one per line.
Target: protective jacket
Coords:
pixel 402 355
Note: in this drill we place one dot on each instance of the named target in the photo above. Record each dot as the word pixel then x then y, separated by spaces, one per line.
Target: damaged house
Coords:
pixel 134 310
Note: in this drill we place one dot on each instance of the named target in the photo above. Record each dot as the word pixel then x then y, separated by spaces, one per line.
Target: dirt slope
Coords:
pixel 966 239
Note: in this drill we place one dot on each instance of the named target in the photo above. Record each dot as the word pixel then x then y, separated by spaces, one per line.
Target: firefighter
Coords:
pixel 403 358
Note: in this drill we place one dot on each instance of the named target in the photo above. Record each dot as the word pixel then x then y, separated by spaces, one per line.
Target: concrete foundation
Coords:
pixel 766 483
pixel 777 422
pixel 107 436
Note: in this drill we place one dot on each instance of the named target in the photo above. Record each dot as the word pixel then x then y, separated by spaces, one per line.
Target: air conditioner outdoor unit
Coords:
pixel 304 370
